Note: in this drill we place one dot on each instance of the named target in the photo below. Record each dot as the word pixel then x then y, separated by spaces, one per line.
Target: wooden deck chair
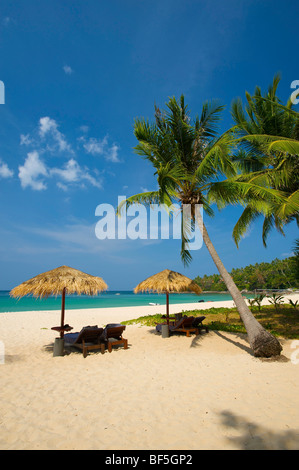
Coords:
pixel 184 325
pixel 112 335
pixel 197 323
pixel 88 339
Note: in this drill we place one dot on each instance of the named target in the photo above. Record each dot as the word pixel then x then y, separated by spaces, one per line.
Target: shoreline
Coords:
pixel 130 313
pixel 174 303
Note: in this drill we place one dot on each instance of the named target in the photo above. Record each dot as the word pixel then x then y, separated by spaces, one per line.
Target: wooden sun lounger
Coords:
pixel 197 323
pixel 184 325
pixel 88 339
pixel 112 336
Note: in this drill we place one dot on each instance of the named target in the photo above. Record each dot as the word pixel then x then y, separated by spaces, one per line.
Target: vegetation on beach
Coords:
pixel 281 322
pixel 279 274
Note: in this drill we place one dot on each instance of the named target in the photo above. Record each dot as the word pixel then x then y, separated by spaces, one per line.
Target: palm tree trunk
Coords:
pixel 261 341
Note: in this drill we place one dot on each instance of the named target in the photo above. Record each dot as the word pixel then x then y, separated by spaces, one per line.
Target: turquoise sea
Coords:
pixel 103 300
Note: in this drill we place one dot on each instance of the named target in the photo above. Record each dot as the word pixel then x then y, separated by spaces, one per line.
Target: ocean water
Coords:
pixel 103 300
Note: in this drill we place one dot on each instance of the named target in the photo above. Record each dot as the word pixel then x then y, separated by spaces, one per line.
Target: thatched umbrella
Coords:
pixel 59 281
pixel 166 282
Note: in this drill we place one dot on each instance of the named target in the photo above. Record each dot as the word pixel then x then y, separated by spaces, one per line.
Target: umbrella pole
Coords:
pixel 167 307
pixel 62 312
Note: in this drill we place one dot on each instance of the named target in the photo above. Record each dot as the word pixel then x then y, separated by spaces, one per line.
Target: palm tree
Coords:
pixel 189 161
pixel 268 139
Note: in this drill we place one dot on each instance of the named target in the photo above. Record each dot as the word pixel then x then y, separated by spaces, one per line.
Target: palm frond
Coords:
pixel 218 159
pixel 209 119
pixel 271 143
pixel 270 222
pixel 146 198
pixel 236 192
pixel 289 207
pixel 290 146
pixel 248 216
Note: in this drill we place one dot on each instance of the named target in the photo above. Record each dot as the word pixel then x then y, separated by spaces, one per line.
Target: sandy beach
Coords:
pixel 177 393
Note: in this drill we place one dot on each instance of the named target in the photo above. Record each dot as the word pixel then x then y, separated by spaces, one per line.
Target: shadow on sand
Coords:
pixel 253 436
pixel 236 343
pixel 247 349
pixel 196 340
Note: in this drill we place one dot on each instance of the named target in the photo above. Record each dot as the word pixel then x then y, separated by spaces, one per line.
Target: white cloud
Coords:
pixel 68 70
pixel 70 173
pixel 31 172
pixel 62 186
pixel 47 139
pixel 97 182
pixel 73 173
pixel 101 147
pixel 48 126
pixel 95 146
pixel 25 139
pixel 5 172
pixel 112 154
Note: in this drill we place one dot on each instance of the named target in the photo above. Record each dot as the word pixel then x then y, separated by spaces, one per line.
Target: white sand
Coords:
pixel 205 392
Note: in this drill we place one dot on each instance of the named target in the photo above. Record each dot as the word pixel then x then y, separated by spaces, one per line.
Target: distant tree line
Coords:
pixel 279 274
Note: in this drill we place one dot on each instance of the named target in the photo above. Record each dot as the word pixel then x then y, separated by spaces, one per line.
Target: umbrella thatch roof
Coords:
pixel 168 281
pixel 53 282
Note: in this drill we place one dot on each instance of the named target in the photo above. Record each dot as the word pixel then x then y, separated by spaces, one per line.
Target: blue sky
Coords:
pixel 76 75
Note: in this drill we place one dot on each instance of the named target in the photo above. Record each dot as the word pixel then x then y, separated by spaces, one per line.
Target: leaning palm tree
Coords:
pixel 268 140
pixel 189 161
pixel 296 258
